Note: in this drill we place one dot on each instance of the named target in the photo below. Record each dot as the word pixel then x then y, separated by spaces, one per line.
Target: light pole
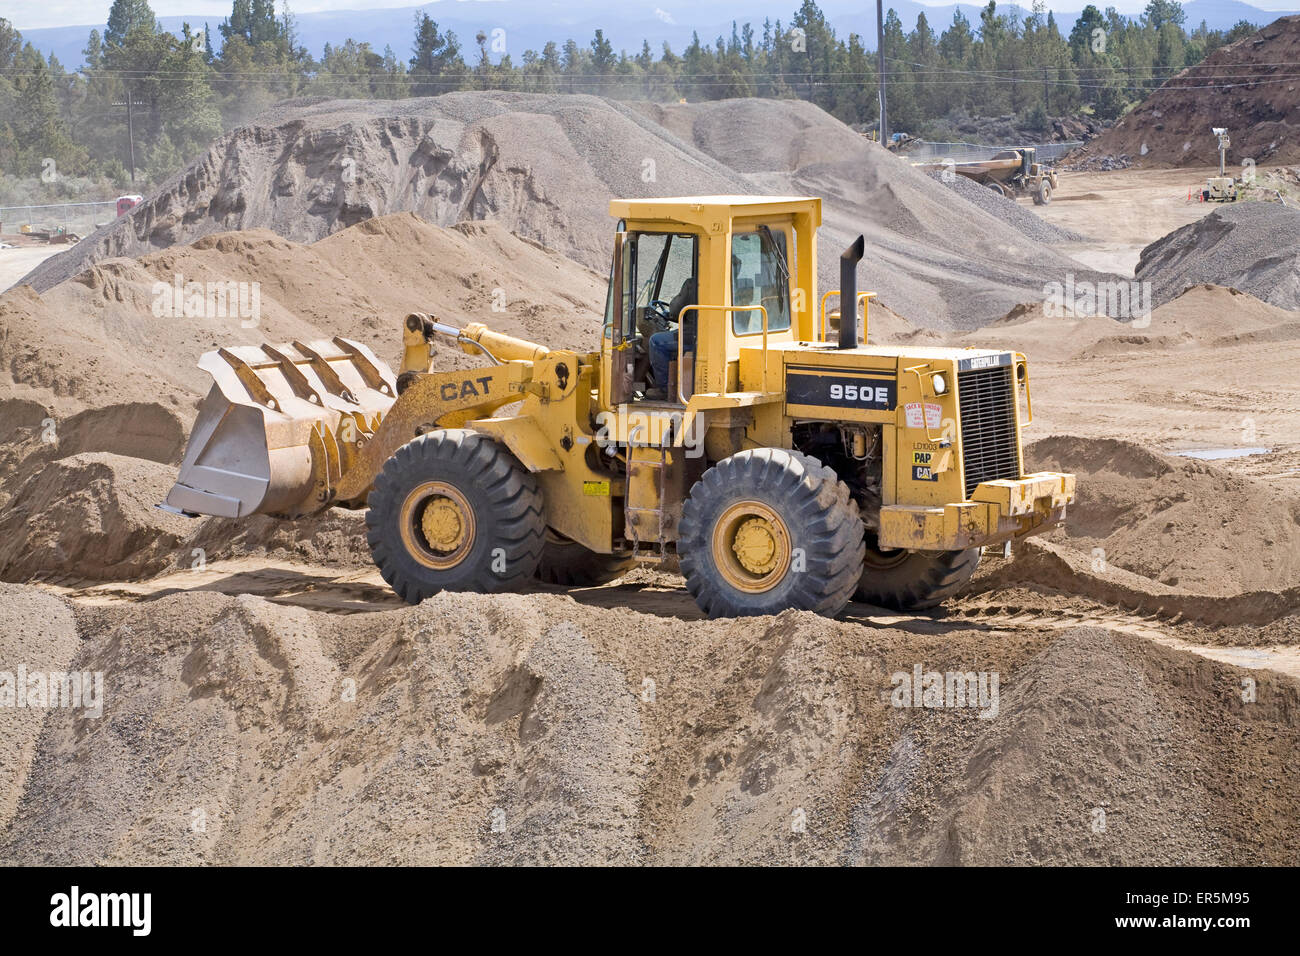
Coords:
pixel 880 55
pixel 130 129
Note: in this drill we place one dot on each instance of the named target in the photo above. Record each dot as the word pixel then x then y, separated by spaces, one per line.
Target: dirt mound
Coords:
pixel 130 345
pixel 545 167
pixel 37 632
pixel 530 729
pixel 934 256
pixel 1243 86
pixel 542 165
pixel 334 539
pixel 1008 210
pixel 1177 521
pixel 91 516
pixel 1253 247
pixel 757 135
pixel 1017 793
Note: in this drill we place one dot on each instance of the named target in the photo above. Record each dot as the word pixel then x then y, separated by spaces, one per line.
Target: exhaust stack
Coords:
pixel 849 293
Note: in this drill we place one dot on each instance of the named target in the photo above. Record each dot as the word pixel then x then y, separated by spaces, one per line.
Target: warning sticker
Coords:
pixel 912 413
pixel 600 488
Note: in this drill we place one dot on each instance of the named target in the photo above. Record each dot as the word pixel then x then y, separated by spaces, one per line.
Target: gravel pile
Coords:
pixel 545 167
pixel 1251 246
pixel 1008 210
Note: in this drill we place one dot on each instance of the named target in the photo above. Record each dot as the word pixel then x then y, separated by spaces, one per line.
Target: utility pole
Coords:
pixel 130 129
pixel 880 55
pixel 1046 107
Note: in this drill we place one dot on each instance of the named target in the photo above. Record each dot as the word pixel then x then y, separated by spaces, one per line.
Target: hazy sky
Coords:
pixel 52 13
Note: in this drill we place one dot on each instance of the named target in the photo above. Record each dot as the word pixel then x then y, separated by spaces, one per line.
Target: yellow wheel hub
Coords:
pixel 437 525
pixel 755 546
pixel 441 524
pixel 751 546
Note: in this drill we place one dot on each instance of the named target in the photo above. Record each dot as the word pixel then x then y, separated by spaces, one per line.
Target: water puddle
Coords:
pixel 1218 454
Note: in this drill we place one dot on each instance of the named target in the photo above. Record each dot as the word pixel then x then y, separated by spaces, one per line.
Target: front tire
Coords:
pixel 454 511
pixel 913 580
pixel 770 529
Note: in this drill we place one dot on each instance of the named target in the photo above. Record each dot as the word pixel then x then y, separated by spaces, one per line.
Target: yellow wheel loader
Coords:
pixel 728 425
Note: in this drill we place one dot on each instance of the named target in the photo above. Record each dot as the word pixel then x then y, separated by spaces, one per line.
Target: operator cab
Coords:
pixel 687 293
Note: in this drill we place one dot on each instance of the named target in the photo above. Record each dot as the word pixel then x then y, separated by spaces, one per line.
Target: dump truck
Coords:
pixel 1009 172
pixel 728 426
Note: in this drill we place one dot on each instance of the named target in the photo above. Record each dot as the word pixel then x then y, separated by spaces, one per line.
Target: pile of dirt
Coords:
pixel 129 343
pixel 1254 247
pixel 542 165
pixel 92 515
pixel 1008 210
pixel 936 258
pixel 545 167
pixel 1243 86
pixel 531 729
pixel 1178 521
pixel 37 631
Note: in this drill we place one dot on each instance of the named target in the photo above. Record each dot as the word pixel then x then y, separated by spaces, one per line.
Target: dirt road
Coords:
pixel 1122 211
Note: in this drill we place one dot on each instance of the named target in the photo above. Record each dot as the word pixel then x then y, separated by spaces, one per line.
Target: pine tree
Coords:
pixel 126 16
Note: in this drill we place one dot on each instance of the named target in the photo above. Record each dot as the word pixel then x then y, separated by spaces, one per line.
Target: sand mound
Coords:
pixel 359 283
pixel 38 633
pixel 542 165
pixel 1253 247
pixel 91 516
pixel 1008 210
pixel 1243 86
pixel 530 729
pixel 335 539
pixel 545 167
pixel 1177 521
pixel 1020 794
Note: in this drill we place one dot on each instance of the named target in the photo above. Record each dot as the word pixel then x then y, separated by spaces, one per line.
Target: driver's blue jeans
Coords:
pixel 663 349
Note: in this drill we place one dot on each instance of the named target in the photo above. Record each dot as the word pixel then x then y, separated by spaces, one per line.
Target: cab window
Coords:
pixel 760 276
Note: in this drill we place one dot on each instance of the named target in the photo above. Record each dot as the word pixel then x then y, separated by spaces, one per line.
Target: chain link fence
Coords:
pixel 924 151
pixel 81 218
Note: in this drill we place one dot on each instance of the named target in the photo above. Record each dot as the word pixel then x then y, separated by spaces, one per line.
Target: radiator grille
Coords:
pixel 988 425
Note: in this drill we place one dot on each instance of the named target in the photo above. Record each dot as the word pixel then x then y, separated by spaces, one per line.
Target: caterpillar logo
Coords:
pixel 924 473
pixel 451 391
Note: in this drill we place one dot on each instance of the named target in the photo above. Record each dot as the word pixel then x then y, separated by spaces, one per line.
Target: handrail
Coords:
pixel 821 333
pixel 721 308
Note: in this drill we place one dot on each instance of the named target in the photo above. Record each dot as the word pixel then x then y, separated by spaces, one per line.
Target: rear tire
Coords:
pixel 770 529
pixel 567 563
pixel 913 580
pixel 453 511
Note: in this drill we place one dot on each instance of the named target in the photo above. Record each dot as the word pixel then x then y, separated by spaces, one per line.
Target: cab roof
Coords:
pixel 709 211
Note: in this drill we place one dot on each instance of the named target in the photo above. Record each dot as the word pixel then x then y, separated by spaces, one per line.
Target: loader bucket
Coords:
pixel 279 427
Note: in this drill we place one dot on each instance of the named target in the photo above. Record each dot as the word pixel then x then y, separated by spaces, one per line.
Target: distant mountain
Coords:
pixel 529 24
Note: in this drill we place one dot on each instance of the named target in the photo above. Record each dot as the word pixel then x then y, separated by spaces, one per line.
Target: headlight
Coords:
pixel 940 383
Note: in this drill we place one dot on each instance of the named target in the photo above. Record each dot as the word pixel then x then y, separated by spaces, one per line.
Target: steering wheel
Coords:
pixel 661 310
